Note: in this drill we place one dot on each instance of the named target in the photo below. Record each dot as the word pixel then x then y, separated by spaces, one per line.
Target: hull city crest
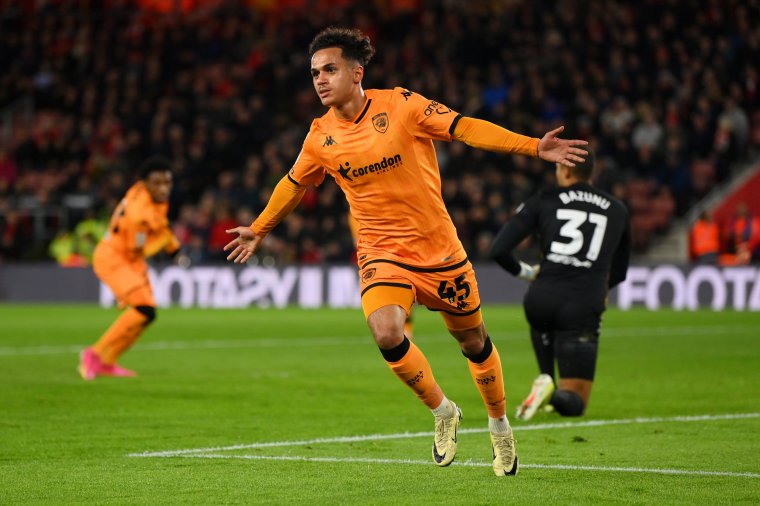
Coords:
pixel 380 122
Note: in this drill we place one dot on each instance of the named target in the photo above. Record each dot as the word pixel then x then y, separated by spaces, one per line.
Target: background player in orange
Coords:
pixel 139 228
pixel 377 145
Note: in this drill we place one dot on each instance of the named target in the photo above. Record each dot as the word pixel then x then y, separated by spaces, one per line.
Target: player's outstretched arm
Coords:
pixel 244 245
pixel 563 151
pixel 483 134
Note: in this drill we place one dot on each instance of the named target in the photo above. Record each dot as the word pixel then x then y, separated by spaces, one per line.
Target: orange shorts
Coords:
pixel 128 280
pixel 452 290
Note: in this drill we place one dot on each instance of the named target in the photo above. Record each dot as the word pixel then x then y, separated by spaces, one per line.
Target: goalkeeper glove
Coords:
pixel 528 272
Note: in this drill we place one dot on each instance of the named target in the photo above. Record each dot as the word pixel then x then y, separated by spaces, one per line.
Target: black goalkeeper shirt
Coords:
pixel 584 235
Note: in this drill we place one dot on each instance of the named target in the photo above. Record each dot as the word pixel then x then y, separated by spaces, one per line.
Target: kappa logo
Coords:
pixel 368 274
pixel 406 94
pixel 380 122
pixel 329 141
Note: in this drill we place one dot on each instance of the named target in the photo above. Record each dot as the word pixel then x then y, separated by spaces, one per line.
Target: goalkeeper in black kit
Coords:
pixel 584 237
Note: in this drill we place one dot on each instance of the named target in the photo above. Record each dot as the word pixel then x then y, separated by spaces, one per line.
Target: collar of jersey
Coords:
pixel 359 117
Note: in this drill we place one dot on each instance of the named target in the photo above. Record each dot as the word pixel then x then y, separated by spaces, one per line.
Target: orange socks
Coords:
pixel 410 365
pixel 120 335
pixel 485 369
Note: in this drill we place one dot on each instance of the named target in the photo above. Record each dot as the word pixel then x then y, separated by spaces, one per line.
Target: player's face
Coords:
pixel 333 76
pixel 159 185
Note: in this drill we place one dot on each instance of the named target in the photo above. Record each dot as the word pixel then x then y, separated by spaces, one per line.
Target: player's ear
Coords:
pixel 358 74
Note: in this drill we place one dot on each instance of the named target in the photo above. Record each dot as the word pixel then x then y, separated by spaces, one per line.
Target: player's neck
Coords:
pixel 571 182
pixel 348 110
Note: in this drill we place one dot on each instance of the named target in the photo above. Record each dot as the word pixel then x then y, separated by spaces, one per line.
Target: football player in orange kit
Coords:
pixel 377 145
pixel 139 228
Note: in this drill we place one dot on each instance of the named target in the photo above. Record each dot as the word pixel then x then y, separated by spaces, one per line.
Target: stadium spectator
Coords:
pixel 377 146
pixel 704 240
pixel 744 235
pixel 89 91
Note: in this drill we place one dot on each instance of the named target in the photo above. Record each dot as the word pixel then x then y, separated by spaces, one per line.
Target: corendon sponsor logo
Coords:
pixel 387 164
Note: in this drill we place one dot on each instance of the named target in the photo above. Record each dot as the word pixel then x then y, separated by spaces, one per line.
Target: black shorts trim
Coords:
pixel 386 283
pixel 366 108
pixel 418 269
pixel 454 124
pixel 293 180
pixel 452 313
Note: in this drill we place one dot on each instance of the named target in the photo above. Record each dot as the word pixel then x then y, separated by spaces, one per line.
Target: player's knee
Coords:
pixel 387 326
pixel 471 341
pixel 149 312
pixel 568 403
pixel 388 338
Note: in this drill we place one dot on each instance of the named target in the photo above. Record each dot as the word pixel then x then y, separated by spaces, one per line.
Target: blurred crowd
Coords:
pixel 735 241
pixel 89 89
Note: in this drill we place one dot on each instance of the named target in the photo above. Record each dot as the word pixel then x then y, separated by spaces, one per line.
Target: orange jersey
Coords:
pixel 385 163
pixel 139 226
pixel 705 238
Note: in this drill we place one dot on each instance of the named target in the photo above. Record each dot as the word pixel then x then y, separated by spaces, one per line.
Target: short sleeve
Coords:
pixel 423 117
pixel 307 169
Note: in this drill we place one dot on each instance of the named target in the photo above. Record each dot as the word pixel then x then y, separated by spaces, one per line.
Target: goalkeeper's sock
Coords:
pixel 410 365
pixel 567 403
pixel 485 369
pixel 543 348
pixel 120 335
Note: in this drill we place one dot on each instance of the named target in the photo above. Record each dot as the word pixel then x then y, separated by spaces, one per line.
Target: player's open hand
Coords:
pixel 553 149
pixel 243 246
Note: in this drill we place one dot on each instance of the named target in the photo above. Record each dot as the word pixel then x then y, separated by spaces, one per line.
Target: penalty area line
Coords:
pixel 470 463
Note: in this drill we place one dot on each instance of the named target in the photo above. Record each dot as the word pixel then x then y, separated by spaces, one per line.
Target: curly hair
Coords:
pixel 355 45
pixel 155 163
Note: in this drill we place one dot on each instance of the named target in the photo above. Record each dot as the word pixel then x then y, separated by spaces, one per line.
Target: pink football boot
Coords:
pixel 115 370
pixel 89 364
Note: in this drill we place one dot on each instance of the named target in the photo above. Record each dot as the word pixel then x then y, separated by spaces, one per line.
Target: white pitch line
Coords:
pixel 217 344
pixel 410 435
pixel 15 351
pixel 470 463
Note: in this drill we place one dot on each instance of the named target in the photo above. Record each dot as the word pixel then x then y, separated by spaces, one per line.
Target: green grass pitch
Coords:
pixel 259 406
